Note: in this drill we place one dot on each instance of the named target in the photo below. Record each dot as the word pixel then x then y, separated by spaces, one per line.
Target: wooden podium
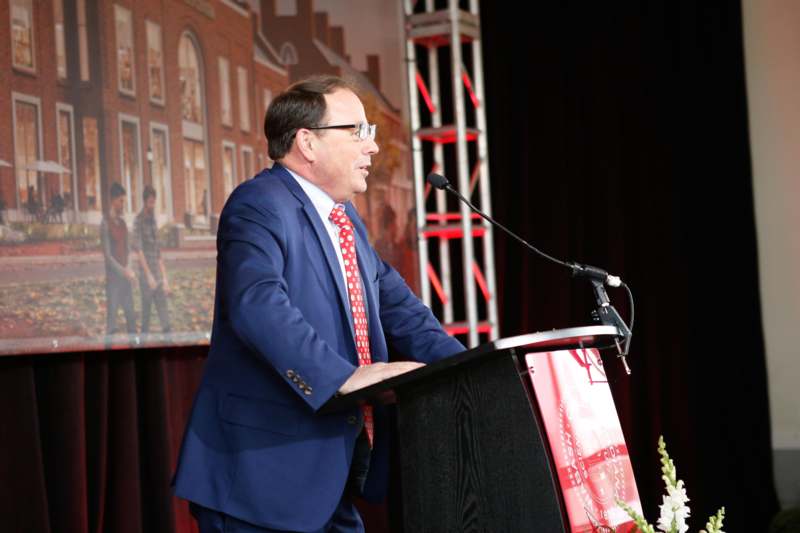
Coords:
pixel 476 450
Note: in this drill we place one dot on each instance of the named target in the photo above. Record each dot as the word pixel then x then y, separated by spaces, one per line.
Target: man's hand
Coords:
pixel 130 274
pixel 367 375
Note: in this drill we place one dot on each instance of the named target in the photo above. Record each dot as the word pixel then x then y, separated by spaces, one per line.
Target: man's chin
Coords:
pixel 360 185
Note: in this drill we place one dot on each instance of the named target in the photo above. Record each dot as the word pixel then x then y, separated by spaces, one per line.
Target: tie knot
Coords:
pixel 339 217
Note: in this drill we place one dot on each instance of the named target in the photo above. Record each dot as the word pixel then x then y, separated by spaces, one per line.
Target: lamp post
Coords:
pixel 150 158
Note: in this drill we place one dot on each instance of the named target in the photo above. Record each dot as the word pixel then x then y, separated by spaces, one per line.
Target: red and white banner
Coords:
pixel 586 441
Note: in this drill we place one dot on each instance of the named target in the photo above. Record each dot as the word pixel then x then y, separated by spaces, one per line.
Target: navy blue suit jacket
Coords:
pixel 282 344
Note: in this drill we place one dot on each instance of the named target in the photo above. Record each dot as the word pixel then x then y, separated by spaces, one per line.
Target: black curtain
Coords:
pixel 618 137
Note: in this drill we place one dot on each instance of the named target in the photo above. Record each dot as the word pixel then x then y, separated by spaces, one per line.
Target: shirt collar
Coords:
pixel 323 203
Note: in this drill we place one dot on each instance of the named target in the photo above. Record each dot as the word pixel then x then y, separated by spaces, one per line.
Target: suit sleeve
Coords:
pixel 256 301
pixel 408 323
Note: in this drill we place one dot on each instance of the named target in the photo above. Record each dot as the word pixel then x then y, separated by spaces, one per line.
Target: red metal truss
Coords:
pixel 468 85
pixel 423 89
pixel 481 281
pixel 437 284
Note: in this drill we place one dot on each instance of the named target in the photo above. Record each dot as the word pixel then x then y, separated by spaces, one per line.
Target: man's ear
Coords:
pixel 305 141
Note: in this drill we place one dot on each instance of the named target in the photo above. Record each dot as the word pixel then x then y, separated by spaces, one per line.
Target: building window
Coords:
pixel 247 163
pixel 61 49
pixel 288 54
pixel 244 100
pixel 263 158
pixel 189 73
pixel 91 164
pixel 155 63
pixel 66 154
pixel 83 41
pixel 196 176
pixel 160 172
pixel 22 46
pixel 130 161
pixel 27 149
pixel 126 68
pixel 228 166
pixel 225 91
pixel 196 182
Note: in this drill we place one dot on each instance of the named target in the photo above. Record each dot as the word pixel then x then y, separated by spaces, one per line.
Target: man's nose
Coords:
pixel 371 147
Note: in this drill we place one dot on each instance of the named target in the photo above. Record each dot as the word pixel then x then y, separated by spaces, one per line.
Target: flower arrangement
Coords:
pixel 674 510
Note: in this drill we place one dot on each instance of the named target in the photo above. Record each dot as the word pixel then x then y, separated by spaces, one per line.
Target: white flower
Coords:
pixel 674 509
pixel 678 493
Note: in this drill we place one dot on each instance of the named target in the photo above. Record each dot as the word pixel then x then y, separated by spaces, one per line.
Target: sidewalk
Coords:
pixel 15 270
pixel 170 255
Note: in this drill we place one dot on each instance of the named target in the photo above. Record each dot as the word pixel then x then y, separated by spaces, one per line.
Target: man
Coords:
pixel 153 282
pixel 114 241
pixel 304 310
pixel 56 210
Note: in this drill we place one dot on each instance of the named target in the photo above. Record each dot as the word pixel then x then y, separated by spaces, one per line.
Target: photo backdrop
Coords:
pixel 169 94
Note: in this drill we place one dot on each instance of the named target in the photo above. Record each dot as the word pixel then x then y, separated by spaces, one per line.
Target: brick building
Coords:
pixel 168 93
pixel 308 44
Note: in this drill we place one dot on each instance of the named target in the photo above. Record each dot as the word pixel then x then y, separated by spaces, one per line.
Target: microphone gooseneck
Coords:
pixel 605 313
pixel 441 183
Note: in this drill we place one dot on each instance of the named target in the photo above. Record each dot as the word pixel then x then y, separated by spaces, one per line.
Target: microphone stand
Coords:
pixel 605 313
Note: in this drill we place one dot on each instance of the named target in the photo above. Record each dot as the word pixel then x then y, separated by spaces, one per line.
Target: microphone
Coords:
pixel 438 181
pixel 590 272
pixel 605 313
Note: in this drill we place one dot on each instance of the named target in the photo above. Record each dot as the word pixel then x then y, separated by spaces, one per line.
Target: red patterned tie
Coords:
pixel 357 302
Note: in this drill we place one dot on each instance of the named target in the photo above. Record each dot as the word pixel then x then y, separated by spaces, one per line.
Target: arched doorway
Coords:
pixel 196 176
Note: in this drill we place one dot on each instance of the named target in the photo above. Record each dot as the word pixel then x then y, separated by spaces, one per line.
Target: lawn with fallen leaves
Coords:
pixel 78 307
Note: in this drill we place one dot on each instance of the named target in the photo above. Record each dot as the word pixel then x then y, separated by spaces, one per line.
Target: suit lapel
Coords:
pixel 333 270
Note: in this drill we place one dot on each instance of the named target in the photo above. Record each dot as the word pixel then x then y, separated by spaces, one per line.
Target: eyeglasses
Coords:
pixel 363 131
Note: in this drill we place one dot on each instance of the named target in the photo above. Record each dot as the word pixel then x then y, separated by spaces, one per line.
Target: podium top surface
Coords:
pixel 557 339
pixel 563 339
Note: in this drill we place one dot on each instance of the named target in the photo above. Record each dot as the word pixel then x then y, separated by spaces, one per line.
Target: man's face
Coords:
pixel 343 161
pixel 150 204
pixel 117 204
